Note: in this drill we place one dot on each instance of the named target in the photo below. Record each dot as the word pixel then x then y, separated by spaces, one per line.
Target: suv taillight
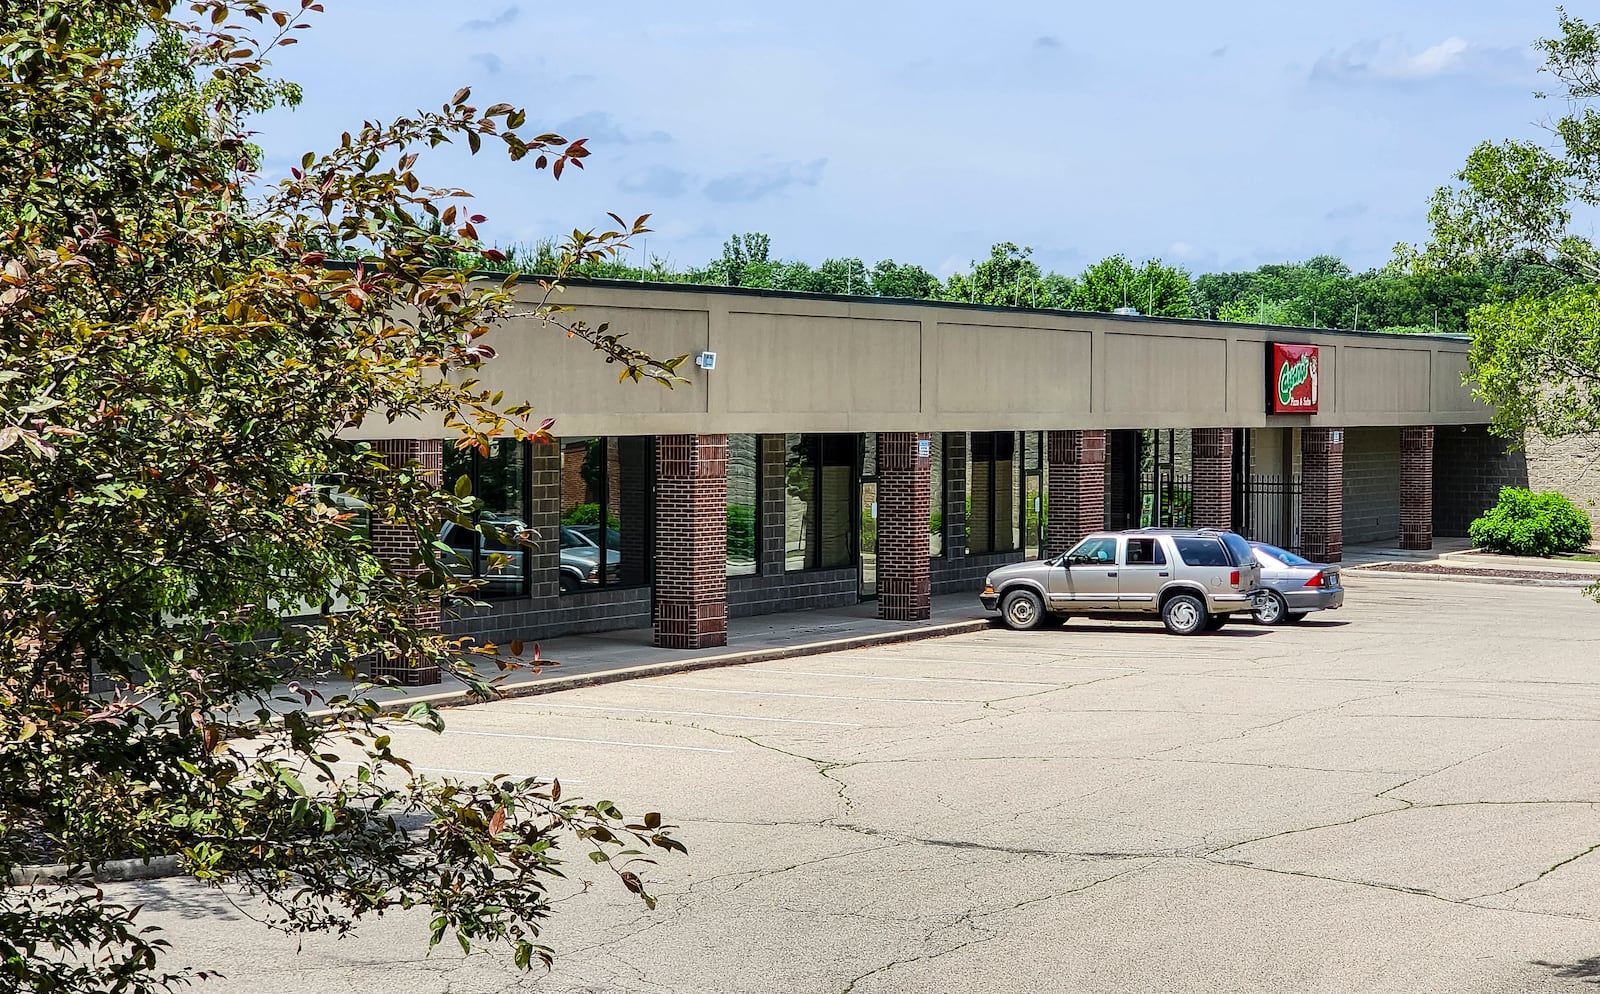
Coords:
pixel 1233 578
pixel 1315 581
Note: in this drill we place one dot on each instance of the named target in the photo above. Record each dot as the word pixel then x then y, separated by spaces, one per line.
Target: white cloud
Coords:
pixel 764 181
pixel 1391 59
pixel 1435 60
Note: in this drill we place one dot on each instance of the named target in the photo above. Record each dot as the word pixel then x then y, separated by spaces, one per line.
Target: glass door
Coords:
pixel 1032 495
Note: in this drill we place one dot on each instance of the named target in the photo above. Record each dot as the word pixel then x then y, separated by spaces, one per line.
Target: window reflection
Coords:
pixel 606 511
pixel 497 552
pixel 993 524
pixel 744 503
pixel 818 498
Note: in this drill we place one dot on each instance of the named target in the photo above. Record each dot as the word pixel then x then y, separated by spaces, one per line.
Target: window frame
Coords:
pixel 608 576
pixel 813 553
pixel 1015 528
pixel 760 478
pixel 488 590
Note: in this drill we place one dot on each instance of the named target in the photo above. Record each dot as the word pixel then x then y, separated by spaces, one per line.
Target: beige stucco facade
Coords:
pixel 800 363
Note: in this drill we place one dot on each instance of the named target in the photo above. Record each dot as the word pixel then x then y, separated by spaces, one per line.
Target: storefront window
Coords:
pixel 497 552
pixel 818 494
pixel 1033 495
pixel 606 511
pixel 744 503
pixel 993 524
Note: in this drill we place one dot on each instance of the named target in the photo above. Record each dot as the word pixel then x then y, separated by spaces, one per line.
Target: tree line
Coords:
pixel 1321 292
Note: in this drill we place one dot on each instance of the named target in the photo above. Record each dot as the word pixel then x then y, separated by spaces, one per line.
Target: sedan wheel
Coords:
pixel 1273 612
pixel 1022 610
pixel 1184 614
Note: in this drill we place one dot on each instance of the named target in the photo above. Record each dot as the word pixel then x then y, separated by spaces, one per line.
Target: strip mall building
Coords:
pixel 847 449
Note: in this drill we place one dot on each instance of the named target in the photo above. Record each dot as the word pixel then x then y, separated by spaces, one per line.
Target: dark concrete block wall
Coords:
pixel 1469 467
pixel 1371 485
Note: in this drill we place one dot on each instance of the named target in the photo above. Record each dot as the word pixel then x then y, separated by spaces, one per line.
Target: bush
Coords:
pixel 1524 523
pixel 741 533
pixel 588 514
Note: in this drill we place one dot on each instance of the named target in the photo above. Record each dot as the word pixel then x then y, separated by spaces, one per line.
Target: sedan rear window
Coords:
pixel 1203 552
pixel 1283 555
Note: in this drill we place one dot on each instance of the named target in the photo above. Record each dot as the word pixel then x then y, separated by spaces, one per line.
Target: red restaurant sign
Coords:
pixel 1292 379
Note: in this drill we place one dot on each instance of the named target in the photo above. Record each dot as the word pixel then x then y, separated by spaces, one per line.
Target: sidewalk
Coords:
pixel 1454 559
pixel 585 660
pixel 1387 552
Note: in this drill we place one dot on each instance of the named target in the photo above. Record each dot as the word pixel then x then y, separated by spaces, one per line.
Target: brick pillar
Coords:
pixel 1077 488
pixel 904 593
pixel 1416 487
pixel 545 472
pixel 1211 478
pixel 691 541
pixel 1322 494
pixel 397 544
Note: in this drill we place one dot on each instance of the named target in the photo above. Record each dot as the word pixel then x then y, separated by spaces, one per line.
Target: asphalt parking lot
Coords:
pixel 1400 796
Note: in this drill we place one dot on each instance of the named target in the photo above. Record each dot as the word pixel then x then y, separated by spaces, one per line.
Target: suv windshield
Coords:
pixel 1242 554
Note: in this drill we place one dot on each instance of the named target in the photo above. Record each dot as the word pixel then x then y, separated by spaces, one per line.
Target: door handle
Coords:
pixel 1163 574
pixel 1112 573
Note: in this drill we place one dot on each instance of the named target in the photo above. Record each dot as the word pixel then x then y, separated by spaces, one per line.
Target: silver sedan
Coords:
pixel 1295 586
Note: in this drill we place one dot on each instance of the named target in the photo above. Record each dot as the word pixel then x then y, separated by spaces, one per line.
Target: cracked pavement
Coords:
pixel 1400 796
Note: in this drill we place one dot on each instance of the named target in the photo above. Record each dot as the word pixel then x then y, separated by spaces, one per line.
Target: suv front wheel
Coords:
pixel 1184 614
pixel 1022 610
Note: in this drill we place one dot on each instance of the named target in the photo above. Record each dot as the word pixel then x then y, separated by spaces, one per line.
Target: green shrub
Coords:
pixel 588 514
pixel 741 533
pixel 1529 524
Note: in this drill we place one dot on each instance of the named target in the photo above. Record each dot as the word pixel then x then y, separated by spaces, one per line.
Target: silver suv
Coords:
pixel 1193 579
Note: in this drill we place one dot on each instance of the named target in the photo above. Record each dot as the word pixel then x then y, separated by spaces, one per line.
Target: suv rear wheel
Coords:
pixel 1184 614
pixel 1022 610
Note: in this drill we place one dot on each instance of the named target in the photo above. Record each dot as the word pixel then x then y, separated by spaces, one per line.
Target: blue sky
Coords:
pixel 1214 136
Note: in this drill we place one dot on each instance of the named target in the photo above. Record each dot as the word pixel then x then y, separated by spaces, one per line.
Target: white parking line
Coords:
pixel 561 738
pixel 430 769
pixel 701 714
pixel 909 679
pixel 449 772
pixel 811 697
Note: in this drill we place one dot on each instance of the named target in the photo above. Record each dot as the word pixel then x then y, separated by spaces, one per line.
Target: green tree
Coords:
pixel 1261 312
pixel 1007 278
pixel 180 370
pixel 1536 353
pixel 892 279
pixel 1154 289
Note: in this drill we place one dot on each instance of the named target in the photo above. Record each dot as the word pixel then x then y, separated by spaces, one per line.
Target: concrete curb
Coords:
pixel 556 684
pixel 110 872
pixel 1491 561
pixel 1515 581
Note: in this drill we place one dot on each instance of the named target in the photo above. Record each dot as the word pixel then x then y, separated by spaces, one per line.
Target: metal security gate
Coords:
pixel 1268 511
